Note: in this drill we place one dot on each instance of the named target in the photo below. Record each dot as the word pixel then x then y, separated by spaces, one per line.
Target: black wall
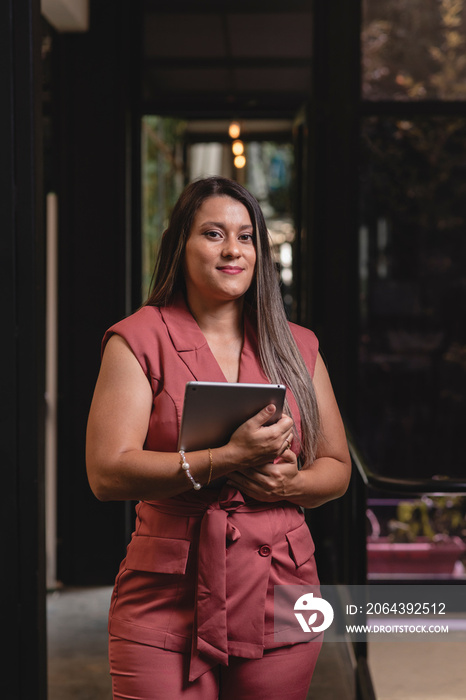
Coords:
pixel 22 279
pixel 94 190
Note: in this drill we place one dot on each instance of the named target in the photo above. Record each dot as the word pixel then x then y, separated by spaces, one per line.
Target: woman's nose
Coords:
pixel 231 247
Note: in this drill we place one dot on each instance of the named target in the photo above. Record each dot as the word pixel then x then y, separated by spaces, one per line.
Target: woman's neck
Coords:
pixel 219 320
pixel 222 327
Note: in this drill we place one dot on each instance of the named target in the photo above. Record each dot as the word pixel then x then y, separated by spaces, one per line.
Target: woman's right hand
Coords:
pixel 254 444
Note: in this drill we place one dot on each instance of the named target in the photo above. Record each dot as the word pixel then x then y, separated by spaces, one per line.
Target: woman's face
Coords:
pixel 220 253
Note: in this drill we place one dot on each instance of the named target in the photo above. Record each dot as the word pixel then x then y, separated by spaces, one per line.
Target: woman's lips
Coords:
pixel 230 270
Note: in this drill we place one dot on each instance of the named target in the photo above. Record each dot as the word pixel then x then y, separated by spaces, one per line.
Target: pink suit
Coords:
pixel 201 567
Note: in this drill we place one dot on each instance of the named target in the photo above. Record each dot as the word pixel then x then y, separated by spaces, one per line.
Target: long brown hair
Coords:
pixel 279 355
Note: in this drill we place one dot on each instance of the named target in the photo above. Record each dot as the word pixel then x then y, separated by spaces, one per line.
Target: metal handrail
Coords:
pixel 434 485
pixel 371 480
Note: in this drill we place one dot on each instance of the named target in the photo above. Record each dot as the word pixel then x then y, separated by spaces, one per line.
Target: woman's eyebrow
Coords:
pixel 222 224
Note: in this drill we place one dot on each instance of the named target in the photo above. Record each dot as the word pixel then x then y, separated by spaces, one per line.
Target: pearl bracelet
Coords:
pixel 185 467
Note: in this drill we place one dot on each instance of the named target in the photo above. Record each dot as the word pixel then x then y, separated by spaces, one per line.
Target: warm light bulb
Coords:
pixel 240 162
pixel 234 130
pixel 238 148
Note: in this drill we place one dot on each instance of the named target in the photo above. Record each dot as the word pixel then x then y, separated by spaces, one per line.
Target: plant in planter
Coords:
pixel 435 518
pixel 427 537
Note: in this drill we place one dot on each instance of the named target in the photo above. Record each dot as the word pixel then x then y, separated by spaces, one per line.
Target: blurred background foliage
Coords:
pixel 414 49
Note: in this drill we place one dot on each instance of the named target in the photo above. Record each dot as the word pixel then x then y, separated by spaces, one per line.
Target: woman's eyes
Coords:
pixel 246 237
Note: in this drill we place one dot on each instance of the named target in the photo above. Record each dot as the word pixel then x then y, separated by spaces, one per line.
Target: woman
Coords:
pixel 192 608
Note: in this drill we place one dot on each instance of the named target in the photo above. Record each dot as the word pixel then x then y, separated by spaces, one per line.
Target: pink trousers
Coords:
pixel 141 672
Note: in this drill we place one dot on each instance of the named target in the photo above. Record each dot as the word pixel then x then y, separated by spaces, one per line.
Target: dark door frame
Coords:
pixel 22 282
pixel 332 121
pixel 327 253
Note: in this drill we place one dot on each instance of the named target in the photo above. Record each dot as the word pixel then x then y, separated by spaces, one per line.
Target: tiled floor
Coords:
pixel 418 670
pixel 78 668
pixel 77 644
pixel 77 651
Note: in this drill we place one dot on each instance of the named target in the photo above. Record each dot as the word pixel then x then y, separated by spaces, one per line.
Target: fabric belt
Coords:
pixel 210 635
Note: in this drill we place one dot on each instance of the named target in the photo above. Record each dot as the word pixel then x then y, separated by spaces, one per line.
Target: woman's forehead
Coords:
pixel 222 206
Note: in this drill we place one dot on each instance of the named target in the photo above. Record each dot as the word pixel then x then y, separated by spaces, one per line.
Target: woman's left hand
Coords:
pixel 271 482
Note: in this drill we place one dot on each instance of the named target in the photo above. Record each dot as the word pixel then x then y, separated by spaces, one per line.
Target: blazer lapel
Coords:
pixel 190 343
pixel 192 347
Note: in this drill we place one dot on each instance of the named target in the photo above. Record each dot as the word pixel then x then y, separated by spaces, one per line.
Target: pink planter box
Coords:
pixel 420 557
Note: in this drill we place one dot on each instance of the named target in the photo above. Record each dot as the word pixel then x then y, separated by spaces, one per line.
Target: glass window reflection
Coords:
pixel 412 271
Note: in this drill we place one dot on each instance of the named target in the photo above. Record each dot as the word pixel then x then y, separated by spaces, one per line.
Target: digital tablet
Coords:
pixel 212 411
